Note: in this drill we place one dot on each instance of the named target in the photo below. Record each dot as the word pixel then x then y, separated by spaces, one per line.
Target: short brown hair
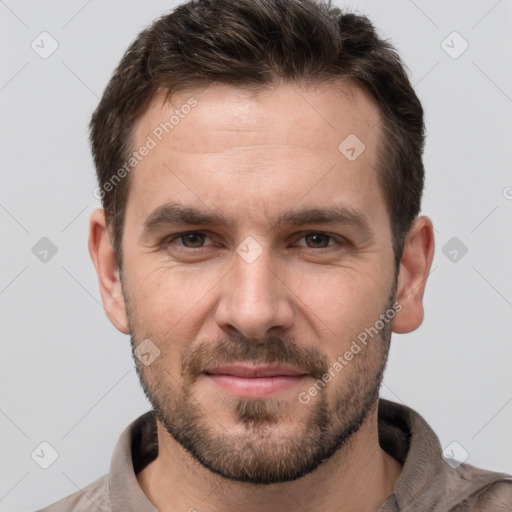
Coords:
pixel 257 43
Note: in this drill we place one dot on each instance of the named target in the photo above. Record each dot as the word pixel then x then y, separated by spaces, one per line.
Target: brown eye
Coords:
pixel 320 240
pixel 192 240
pixel 317 240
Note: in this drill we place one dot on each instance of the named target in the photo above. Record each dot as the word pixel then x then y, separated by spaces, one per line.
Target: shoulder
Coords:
pixel 93 497
pixel 496 497
pixel 481 490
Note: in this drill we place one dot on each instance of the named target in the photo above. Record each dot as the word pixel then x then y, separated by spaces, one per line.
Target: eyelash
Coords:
pixel 339 241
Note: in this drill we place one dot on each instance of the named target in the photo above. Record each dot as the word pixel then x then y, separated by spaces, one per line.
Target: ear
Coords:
pixel 412 278
pixel 102 255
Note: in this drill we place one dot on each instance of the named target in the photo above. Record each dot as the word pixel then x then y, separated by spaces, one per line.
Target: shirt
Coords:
pixel 428 482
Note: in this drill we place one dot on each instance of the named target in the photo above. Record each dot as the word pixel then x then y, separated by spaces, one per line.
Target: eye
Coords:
pixel 316 240
pixel 199 240
pixel 190 240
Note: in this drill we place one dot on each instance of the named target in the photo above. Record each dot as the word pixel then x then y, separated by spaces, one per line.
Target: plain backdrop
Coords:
pixel 67 377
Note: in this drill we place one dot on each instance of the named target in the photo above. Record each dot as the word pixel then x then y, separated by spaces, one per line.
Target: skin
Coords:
pixel 252 156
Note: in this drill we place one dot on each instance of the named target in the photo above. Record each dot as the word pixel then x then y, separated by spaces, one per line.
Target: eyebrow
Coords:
pixel 176 214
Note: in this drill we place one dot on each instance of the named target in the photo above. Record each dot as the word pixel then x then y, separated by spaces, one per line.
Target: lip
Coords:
pixel 251 371
pixel 247 381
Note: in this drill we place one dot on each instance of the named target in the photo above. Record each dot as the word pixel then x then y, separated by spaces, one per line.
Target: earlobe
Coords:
pixel 412 279
pixel 107 269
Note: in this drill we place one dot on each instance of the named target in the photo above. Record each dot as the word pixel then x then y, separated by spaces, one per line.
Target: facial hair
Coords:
pixel 262 452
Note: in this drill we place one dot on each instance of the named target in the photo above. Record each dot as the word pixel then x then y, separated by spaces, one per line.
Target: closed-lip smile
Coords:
pixel 255 381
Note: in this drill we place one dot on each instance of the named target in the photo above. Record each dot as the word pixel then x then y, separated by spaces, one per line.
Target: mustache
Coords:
pixel 238 348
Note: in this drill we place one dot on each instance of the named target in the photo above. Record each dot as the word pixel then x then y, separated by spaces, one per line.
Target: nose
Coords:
pixel 255 301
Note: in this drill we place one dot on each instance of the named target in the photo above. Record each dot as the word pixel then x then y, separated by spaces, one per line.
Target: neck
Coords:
pixel 360 476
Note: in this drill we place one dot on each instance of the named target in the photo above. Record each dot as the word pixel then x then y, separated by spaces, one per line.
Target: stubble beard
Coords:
pixel 261 452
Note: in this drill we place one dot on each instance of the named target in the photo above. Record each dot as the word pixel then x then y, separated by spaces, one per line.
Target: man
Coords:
pixel 260 168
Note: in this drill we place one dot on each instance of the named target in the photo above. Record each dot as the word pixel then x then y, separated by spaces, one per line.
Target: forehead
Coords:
pixel 227 146
pixel 295 114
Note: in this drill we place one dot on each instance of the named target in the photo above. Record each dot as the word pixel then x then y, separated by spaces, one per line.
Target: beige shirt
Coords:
pixel 427 481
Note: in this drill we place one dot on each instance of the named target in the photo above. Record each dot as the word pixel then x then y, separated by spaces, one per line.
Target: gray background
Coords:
pixel 66 374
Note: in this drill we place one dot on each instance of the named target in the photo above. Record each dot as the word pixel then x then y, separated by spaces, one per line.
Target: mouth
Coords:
pixel 255 381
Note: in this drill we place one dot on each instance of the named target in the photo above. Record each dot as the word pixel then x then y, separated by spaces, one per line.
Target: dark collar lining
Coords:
pixel 394 431
pixel 144 444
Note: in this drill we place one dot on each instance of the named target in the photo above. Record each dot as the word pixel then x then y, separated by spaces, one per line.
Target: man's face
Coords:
pixel 254 254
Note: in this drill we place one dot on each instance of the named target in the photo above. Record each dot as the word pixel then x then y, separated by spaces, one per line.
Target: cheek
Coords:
pixel 342 302
pixel 166 299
